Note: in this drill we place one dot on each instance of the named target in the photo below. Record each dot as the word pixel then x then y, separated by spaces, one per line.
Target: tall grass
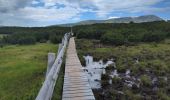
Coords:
pixel 22 70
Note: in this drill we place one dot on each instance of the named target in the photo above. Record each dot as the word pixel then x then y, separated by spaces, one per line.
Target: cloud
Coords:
pixel 45 12
pixel 113 17
pixel 35 2
pixel 9 5
pixel 39 15
pixel 104 7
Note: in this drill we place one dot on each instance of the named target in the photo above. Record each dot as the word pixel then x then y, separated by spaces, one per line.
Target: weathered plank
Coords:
pixel 76 85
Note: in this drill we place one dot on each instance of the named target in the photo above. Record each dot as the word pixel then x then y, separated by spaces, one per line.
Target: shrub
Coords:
pixel 134 38
pixel 26 40
pixel 116 80
pixel 113 38
pixel 105 80
pixel 153 37
pixel 162 82
pixel 55 38
pixel 146 81
pixel 121 68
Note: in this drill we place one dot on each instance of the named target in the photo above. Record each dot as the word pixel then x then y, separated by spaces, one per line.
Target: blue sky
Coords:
pixel 52 12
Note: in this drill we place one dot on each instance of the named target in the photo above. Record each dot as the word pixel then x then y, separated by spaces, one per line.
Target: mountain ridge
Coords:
pixel 139 19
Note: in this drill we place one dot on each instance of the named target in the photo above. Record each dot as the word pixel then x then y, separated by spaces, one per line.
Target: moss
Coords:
pixel 116 80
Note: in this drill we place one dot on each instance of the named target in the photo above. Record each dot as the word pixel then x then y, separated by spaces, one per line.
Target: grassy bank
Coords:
pixel 22 70
pixel 146 61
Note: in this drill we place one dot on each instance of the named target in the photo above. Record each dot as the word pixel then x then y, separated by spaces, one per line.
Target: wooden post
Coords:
pixel 59 48
pixel 51 59
pixel 47 88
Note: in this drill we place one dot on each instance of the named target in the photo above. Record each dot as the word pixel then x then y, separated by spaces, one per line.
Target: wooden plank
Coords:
pixel 76 85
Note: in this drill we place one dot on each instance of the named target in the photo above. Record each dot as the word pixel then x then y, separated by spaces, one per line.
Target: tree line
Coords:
pixel 108 33
pixel 124 33
pixel 31 35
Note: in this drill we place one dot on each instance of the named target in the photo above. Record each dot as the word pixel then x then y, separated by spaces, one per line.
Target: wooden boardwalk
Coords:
pixel 76 85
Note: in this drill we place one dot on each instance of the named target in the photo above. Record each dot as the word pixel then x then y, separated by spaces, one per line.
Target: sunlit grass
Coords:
pixel 22 70
pixel 2 35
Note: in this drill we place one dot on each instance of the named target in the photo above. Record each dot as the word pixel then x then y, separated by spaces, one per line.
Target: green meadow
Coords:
pixel 22 70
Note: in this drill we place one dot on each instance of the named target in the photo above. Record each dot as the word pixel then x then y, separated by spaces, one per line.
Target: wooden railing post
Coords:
pixel 46 91
pixel 51 59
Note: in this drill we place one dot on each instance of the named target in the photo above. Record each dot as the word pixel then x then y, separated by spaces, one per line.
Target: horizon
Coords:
pixel 39 13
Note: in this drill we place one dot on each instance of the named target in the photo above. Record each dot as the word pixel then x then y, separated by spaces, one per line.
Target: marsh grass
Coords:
pixel 153 61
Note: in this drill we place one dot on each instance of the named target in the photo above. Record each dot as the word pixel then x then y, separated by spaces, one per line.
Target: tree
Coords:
pixel 55 38
pixel 26 40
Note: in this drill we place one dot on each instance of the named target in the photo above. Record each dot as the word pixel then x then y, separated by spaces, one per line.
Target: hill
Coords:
pixel 140 19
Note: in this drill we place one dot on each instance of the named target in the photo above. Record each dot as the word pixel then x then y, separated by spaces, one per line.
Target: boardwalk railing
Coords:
pixel 46 90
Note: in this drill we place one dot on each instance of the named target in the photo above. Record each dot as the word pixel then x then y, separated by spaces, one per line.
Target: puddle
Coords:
pixel 94 70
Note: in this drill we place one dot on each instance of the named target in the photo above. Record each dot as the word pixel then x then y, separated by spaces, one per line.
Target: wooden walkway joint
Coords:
pixel 76 85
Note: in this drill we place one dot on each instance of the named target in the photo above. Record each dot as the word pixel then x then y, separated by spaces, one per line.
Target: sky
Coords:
pixel 51 12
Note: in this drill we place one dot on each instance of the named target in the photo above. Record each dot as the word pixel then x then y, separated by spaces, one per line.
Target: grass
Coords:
pixel 2 35
pixel 22 70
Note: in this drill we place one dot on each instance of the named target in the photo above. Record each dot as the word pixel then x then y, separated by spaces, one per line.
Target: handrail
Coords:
pixel 47 89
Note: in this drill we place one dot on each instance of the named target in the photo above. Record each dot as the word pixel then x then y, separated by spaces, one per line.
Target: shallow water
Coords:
pixel 94 70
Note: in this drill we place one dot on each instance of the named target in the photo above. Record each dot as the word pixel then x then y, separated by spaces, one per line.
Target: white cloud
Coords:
pixel 39 15
pixel 113 17
pixel 20 12
pixel 44 14
pixel 8 5
pixel 123 5
pixel 35 2
pixel 104 7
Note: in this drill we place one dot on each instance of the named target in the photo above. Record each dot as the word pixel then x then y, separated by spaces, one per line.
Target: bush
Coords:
pixel 146 81
pixel 113 38
pixel 134 38
pixel 162 82
pixel 105 80
pixel 153 37
pixel 131 96
pixel 26 40
pixel 121 68
pixel 55 39
pixel 162 96
pixel 116 80
pixel 43 41
pixel 89 34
